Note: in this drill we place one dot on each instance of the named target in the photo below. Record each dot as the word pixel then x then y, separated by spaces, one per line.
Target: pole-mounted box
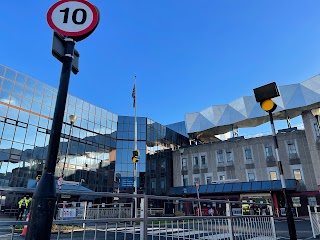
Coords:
pixel 266 92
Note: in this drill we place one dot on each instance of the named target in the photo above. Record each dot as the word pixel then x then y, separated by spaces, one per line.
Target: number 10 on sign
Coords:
pixel 73 18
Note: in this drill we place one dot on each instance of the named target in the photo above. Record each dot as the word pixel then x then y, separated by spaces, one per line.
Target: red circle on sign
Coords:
pixel 91 27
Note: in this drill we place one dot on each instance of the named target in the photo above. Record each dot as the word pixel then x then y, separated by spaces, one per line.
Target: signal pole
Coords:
pixel 263 96
pixel 135 153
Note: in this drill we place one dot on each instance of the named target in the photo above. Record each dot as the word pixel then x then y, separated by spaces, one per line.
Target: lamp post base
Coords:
pixel 42 209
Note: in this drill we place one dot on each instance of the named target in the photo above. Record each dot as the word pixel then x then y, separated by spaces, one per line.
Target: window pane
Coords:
pixel 251 176
pixel 248 153
pixel 8 131
pixel 229 155
pixel 297 174
pixel 292 148
pixel 203 160
pixel 222 177
pixel 220 156
pixel 195 161
pixel 209 180
pixel 184 162
pixel 273 175
pixel 268 150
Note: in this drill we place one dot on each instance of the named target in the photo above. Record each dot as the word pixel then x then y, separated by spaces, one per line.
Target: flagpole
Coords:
pixel 199 203
pixel 135 147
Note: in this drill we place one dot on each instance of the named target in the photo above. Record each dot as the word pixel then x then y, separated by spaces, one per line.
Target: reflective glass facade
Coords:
pixel 100 142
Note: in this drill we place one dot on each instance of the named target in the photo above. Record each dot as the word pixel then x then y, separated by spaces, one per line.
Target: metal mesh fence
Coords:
pixel 180 218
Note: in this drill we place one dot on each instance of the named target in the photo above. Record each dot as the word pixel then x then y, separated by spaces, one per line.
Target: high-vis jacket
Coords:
pixel 23 203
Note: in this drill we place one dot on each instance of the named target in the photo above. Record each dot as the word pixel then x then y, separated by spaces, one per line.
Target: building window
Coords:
pixel 297 174
pixel 203 160
pixel 195 162
pixel 248 153
pixel 163 164
pixel 316 129
pixel 222 177
pixel 153 184
pixel 220 156
pixel 184 164
pixel 185 181
pixel 251 177
pixel 312 201
pixel 153 165
pixel 292 148
pixel 162 184
pixel 273 175
pixel 209 180
pixel 229 155
pixel 269 152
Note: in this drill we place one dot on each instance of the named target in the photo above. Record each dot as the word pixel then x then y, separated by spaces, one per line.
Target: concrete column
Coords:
pixel 308 121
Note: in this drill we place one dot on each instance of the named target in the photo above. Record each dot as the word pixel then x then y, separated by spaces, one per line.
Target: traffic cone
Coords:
pixel 24 231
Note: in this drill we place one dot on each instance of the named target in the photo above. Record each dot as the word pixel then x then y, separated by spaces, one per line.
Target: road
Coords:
pixel 303 228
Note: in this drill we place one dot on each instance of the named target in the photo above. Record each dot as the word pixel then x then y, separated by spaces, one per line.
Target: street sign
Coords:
pixel 73 18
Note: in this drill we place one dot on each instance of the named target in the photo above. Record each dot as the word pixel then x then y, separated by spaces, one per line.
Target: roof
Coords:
pixel 65 188
pixel 238 187
pixel 246 112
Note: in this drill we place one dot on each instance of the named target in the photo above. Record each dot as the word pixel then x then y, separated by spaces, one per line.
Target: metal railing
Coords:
pixel 180 219
pixel 84 210
pixel 314 219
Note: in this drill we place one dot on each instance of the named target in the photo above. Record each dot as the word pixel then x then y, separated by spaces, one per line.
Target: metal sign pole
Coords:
pixel 289 214
pixel 198 195
pixel 44 198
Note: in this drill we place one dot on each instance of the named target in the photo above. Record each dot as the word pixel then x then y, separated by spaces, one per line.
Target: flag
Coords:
pixel 134 95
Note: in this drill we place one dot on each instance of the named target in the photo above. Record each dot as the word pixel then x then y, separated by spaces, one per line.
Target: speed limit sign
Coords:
pixel 73 18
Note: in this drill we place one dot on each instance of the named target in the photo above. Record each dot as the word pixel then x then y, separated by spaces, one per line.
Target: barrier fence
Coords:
pixel 179 218
pixel 314 215
pixel 85 210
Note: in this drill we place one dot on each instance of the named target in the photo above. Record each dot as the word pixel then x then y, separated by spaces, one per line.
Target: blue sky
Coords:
pixel 187 55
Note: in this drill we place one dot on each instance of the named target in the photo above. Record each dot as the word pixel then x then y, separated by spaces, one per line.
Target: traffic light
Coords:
pixel 264 94
pixel 135 156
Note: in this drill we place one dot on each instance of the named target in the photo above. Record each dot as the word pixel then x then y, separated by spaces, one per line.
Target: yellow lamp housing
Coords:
pixel 135 159
pixel 268 105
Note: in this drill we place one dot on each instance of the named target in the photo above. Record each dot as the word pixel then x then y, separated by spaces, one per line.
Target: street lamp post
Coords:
pixel 44 198
pixel 72 118
pixel 263 95
pixel 181 150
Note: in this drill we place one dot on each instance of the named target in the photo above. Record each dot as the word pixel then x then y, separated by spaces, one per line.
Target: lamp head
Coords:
pixel 315 112
pixel 72 118
pixel 268 105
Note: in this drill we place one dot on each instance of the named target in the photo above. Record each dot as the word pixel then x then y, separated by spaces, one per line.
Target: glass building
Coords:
pixel 100 142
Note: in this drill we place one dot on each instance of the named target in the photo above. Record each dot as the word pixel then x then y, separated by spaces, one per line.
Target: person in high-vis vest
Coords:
pixel 22 204
pixel 26 211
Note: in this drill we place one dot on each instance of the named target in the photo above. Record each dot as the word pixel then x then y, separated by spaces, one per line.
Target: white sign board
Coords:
pixel 67 212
